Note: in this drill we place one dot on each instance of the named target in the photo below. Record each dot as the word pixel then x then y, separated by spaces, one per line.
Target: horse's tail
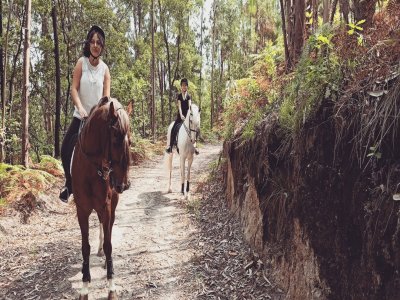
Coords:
pixel 168 162
pixel 168 156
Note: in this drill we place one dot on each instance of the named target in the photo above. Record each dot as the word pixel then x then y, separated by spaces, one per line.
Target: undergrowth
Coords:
pixel 248 99
pixel 142 149
pixel 16 180
pixel 317 77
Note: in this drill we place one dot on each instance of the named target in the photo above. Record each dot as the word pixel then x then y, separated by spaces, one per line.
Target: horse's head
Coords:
pixel 194 119
pixel 118 144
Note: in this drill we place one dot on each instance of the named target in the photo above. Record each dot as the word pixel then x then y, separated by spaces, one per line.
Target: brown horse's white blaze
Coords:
pixel 186 145
pixel 99 173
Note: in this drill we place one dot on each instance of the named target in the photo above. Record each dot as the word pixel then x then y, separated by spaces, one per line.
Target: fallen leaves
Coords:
pixel 225 267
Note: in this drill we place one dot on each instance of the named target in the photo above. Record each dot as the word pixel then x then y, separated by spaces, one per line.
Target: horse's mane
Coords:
pixel 101 111
pixel 195 109
pixel 98 119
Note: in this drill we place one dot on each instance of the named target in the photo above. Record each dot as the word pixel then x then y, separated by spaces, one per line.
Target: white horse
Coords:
pixel 186 146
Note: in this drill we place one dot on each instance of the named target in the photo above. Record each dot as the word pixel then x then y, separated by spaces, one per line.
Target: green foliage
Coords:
pixel 355 29
pixel 142 149
pixel 249 129
pixel 265 63
pixel 246 99
pixel 50 165
pixel 16 179
pixel 316 77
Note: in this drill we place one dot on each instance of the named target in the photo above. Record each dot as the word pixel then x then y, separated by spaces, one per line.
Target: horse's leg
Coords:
pixel 170 157
pixel 182 165
pixel 190 161
pixel 100 251
pixel 83 218
pixel 108 223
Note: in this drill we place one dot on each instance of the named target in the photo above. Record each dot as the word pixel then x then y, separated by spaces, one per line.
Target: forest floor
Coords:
pixel 164 247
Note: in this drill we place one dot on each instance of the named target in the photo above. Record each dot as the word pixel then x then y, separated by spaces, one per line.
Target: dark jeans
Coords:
pixel 67 148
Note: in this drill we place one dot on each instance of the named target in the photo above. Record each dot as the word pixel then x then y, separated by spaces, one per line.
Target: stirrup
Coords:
pixel 196 151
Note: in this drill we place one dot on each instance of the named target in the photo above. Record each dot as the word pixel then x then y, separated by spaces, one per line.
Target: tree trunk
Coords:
pixel 288 62
pixel 2 89
pixel 25 93
pixel 333 11
pixel 315 7
pixel 201 54
pixel 364 10
pixel 66 38
pixel 326 11
pixel 14 67
pixel 161 76
pixel 153 106
pixel 212 65
pixel 345 10
pixel 298 30
pixel 58 83
pixel 46 104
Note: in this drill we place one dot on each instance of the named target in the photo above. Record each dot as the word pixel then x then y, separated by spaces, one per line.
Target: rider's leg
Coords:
pixel 67 148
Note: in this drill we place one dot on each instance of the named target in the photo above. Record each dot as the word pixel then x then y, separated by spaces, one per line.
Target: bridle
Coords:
pixel 103 170
pixel 190 130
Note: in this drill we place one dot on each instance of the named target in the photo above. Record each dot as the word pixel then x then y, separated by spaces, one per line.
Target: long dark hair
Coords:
pixel 86 46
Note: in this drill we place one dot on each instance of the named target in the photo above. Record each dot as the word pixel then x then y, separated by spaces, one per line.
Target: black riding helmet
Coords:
pixel 184 80
pixel 97 29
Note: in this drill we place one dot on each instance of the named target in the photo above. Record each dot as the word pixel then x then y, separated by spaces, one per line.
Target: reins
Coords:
pixel 189 130
pixel 104 171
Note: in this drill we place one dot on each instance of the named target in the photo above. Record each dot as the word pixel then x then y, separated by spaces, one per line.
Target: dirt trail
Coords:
pixel 151 242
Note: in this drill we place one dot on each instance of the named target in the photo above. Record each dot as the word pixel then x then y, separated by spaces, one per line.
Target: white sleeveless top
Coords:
pixel 91 85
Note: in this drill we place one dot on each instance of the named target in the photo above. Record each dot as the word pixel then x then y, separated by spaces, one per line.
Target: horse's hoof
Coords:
pixel 169 190
pixel 112 295
pixel 83 297
pixel 100 253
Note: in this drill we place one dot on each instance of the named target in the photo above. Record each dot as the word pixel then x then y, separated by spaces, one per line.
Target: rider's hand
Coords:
pixel 183 118
pixel 82 112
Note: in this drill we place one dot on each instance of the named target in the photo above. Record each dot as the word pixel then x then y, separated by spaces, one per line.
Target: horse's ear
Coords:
pixel 103 100
pixel 112 113
pixel 129 108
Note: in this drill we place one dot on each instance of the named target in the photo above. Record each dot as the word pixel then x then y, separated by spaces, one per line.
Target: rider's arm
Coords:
pixel 180 110
pixel 76 79
pixel 106 83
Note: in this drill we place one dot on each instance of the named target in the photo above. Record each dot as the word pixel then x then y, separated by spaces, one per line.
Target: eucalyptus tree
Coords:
pixel 57 124
pixel 25 93
pixel 2 87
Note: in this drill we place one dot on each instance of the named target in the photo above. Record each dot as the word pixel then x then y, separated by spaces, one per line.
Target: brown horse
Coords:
pixel 99 173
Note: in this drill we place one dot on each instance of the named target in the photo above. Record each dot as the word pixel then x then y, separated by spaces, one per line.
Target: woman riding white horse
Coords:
pixel 187 135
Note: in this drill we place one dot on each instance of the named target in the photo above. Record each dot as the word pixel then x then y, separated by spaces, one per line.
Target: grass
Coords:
pixel 193 206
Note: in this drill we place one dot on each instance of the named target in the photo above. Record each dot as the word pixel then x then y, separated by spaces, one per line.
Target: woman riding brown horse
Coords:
pixel 99 173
